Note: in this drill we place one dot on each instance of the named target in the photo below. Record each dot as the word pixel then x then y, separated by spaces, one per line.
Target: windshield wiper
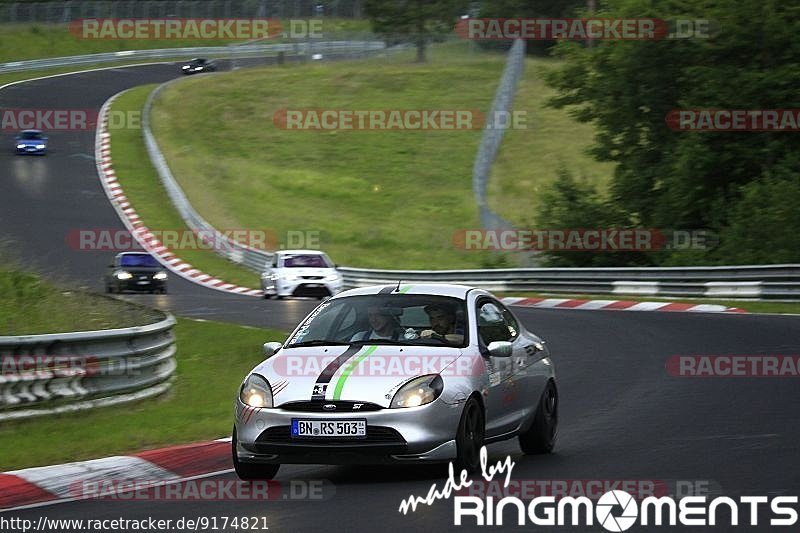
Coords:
pixel 381 341
pixel 318 342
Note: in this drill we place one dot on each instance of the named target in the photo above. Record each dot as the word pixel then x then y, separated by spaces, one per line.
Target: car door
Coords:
pixel 528 374
pixel 502 402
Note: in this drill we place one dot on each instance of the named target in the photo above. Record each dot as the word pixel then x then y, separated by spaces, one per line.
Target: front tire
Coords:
pixel 541 436
pixel 250 471
pixel 470 436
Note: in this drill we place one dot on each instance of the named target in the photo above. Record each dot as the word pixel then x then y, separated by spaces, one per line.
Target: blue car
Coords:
pixel 31 142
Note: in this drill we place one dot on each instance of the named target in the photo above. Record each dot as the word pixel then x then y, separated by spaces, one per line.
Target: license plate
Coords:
pixel 313 285
pixel 143 282
pixel 329 428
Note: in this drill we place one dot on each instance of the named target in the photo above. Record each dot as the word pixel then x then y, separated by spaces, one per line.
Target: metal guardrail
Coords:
pixel 771 281
pixel 45 374
pixel 254 259
pixel 251 258
pixel 304 48
pixel 493 137
pixel 768 281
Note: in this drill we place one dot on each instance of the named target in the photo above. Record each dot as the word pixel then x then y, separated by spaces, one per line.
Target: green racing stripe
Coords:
pixel 337 393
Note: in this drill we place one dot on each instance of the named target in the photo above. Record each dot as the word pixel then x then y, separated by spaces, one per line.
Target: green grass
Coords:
pixel 30 305
pixel 212 358
pixel 530 157
pixel 19 42
pixel 140 182
pixel 382 199
pixel 751 306
pixel 378 198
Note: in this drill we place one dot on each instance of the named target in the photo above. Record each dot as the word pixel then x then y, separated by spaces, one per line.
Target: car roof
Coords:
pixel 433 289
pixel 299 252
pixel 132 253
pixel 32 131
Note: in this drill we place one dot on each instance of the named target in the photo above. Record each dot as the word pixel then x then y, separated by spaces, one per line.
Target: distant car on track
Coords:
pixel 135 271
pixel 199 65
pixel 301 273
pixel 436 390
pixel 31 142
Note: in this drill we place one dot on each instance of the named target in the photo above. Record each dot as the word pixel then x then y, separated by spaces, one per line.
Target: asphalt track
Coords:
pixel 622 416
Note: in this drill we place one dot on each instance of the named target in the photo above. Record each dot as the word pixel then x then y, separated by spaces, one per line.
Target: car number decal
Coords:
pixel 320 387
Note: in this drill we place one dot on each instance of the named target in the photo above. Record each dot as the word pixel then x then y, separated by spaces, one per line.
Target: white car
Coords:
pixel 397 374
pixel 301 273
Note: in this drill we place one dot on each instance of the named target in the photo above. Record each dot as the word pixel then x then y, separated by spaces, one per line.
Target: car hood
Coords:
pixel 31 142
pixel 359 372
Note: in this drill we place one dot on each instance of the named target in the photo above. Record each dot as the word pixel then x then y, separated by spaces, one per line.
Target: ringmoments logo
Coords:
pixel 618 510
pixel 615 510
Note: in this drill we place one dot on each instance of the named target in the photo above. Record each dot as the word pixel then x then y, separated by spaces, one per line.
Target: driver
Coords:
pixel 443 324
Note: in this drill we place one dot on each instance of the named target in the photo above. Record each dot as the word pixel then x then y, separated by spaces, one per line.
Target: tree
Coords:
pixel 419 20
pixel 551 9
pixel 688 180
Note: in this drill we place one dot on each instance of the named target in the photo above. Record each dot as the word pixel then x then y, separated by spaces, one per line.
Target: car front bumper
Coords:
pixel 302 287
pixel 135 284
pixel 31 150
pixel 416 434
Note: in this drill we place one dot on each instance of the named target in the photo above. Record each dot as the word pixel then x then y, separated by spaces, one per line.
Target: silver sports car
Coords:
pixel 394 374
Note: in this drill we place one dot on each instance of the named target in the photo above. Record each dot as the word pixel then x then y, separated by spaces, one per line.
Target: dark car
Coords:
pixel 136 271
pixel 199 65
pixel 32 142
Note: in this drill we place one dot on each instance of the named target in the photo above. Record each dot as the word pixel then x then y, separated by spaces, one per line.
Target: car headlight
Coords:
pixel 40 147
pixel 160 275
pixel 256 392
pixel 20 146
pixel 418 391
pixel 121 274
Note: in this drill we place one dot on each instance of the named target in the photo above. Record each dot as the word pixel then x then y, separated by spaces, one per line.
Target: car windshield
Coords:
pixel 138 260
pixel 306 260
pixel 383 319
pixel 31 135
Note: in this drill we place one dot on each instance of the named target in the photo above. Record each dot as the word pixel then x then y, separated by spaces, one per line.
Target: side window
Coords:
pixel 492 324
pixel 511 322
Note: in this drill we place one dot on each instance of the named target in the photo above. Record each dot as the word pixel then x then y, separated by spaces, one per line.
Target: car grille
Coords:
pixel 312 277
pixel 341 407
pixel 375 435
